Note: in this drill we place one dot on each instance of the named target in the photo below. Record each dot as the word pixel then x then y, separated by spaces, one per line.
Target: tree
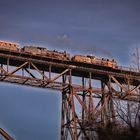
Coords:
pixel 136 58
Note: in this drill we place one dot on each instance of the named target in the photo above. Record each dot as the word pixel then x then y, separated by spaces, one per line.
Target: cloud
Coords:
pixel 63 37
pixel 63 41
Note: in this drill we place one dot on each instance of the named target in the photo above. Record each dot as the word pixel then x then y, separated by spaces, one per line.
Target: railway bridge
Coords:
pixel 89 92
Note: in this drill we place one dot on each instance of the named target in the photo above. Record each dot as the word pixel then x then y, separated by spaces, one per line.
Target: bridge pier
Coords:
pixel 93 114
pixel 85 107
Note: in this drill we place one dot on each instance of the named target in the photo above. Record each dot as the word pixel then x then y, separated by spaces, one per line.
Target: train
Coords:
pixel 9 46
pixel 44 52
pixel 96 61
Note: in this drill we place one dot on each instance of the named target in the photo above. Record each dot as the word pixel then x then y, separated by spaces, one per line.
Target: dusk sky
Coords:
pixel 104 28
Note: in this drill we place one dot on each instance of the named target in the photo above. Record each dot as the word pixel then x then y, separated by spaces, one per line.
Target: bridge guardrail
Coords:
pixel 129 69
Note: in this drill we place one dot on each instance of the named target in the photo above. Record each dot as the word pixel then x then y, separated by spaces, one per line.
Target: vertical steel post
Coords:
pixel 7 64
pixel 63 109
pixel 103 112
pixel 1 70
pixel 50 67
pixel 111 110
pixel 83 109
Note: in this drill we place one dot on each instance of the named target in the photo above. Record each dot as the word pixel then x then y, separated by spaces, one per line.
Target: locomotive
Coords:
pixel 44 52
pixel 93 60
pixel 36 50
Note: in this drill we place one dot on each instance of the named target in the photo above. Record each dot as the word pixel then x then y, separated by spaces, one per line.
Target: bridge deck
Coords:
pixel 78 68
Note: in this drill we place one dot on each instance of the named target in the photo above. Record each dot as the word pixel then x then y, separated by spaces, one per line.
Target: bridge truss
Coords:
pixel 90 94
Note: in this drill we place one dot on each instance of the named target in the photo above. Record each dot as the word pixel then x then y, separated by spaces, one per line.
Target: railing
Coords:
pixel 128 69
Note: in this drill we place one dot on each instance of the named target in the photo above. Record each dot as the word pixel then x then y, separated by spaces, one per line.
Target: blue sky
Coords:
pixel 30 113
pixel 105 28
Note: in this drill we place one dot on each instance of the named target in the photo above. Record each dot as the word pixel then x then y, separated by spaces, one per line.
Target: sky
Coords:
pixel 104 28
pixel 29 113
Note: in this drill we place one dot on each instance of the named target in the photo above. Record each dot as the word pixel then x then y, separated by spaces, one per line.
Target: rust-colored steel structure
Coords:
pixel 5 135
pixel 86 103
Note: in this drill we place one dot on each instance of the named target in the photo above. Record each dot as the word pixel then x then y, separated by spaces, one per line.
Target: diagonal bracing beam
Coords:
pixel 56 77
pixel 14 71
pixel 5 135
pixel 3 70
pixel 124 89
pixel 43 75
pixel 117 82
pixel 132 90
pixel 28 71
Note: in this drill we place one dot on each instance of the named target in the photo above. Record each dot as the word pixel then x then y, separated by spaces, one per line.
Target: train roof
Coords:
pixel 2 41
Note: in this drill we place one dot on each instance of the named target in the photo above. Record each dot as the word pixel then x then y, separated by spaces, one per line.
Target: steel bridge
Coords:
pixel 95 104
